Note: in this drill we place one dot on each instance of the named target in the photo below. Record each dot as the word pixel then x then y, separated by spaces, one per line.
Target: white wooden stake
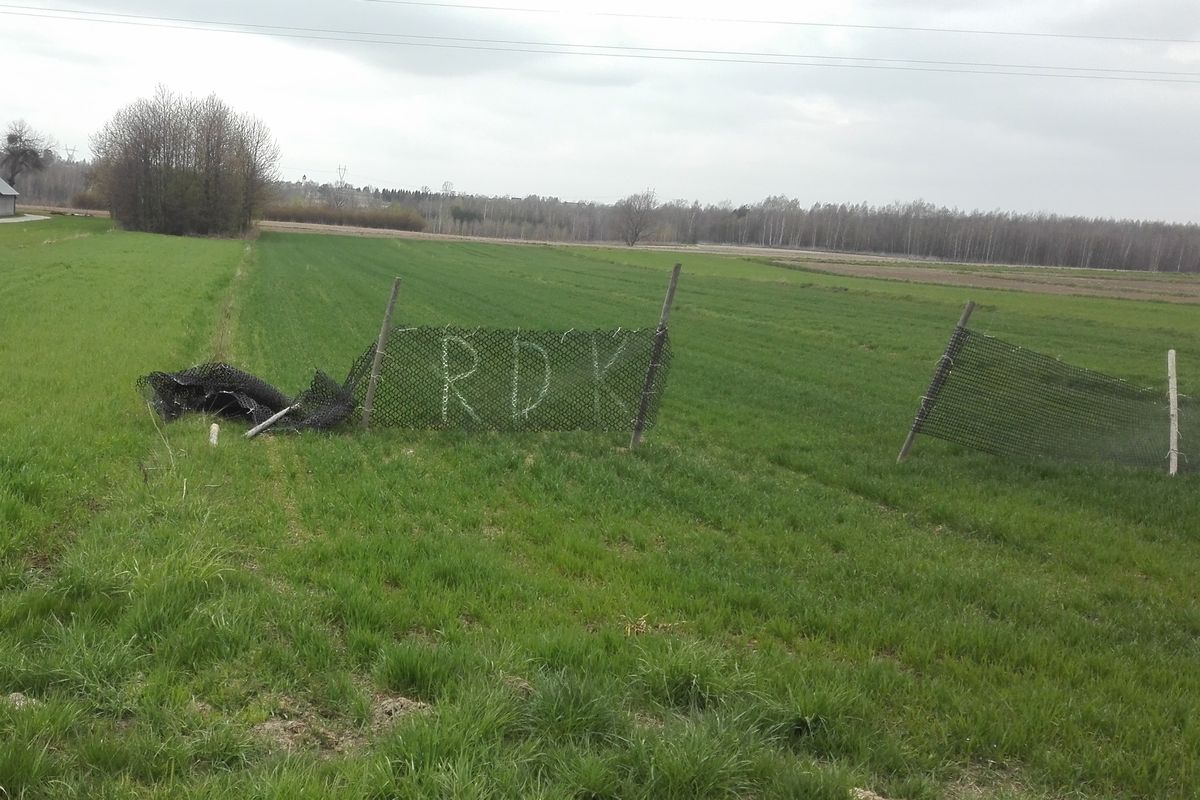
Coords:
pixel 214 431
pixel 1173 395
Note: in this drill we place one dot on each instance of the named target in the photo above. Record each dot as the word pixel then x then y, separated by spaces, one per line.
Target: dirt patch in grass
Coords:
pixel 18 700
pixel 982 786
pixel 990 785
pixel 865 794
pixel 304 730
pixel 307 732
pixel 1130 286
pixel 644 720
pixel 289 734
pixel 387 710
pixel 518 684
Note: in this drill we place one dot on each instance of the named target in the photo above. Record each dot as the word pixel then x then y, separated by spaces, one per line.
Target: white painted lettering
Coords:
pixel 516 382
pixel 449 382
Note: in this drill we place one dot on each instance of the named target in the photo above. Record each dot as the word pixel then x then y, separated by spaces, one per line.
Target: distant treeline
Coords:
pixel 926 231
pixel 916 229
pixel 61 183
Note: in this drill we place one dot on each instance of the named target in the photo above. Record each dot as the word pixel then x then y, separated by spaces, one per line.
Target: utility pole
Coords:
pixel 343 195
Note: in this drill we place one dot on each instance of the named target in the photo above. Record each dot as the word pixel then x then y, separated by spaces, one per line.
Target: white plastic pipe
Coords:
pixel 262 426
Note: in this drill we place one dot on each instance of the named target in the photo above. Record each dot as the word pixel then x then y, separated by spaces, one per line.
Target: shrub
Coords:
pixel 398 219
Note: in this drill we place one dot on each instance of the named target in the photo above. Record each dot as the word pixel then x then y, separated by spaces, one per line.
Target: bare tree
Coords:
pixel 634 215
pixel 447 191
pixel 25 150
pixel 257 160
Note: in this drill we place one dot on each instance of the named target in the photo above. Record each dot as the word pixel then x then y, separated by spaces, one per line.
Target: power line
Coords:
pixel 86 15
pixel 904 65
pixel 787 22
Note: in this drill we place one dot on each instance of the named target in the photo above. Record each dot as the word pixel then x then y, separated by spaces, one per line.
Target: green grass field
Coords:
pixel 758 603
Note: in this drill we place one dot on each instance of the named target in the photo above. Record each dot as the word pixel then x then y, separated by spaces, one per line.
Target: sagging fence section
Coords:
pixel 512 380
pixel 1004 399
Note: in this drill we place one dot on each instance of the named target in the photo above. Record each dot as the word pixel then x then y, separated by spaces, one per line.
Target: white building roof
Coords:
pixel 6 190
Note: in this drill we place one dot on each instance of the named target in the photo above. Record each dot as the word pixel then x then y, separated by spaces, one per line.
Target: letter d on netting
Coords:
pixel 516 381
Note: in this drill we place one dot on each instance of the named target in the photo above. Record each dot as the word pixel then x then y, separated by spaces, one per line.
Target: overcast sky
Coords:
pixel 593 127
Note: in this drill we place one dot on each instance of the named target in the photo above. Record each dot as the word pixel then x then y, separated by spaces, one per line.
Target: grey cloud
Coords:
pixel 362 31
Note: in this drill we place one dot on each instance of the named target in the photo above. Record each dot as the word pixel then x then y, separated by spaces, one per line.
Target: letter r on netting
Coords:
pixel 449 382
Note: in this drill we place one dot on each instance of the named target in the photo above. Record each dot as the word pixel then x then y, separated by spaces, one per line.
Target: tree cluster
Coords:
pixel 184 165
pixel 57 184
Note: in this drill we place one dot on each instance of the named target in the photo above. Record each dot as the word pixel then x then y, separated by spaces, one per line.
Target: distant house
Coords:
pixel 8 200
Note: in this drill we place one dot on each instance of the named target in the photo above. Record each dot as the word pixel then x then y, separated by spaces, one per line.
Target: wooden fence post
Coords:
pixel 377 362
pixel 1173 399
pixel 935 385
pixel 660 336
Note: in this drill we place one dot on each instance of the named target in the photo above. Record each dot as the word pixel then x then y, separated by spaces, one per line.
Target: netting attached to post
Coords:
pixel 1007 400
pixel 482 379
pixel 512 380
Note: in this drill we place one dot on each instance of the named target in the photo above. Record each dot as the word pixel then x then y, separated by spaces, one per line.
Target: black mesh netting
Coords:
pixel 221 389
pixel 512 380
pixel 482 379
pixel 1003 399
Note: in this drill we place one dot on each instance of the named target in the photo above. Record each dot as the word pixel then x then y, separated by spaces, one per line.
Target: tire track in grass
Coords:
pixel 227 321
pixel 222 346
pixel 283 495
